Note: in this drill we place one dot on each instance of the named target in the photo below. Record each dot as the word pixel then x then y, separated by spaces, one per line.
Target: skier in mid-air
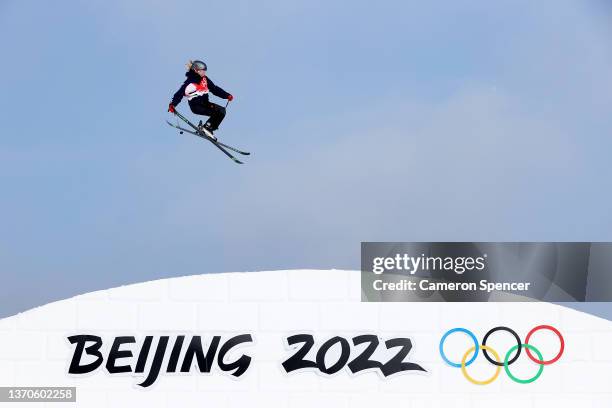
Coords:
pixel 196 88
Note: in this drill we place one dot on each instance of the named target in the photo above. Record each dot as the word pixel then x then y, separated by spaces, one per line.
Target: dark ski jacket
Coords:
pixel 196 89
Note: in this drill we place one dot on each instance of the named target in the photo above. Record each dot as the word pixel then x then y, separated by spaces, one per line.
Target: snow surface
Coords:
pixel 272 305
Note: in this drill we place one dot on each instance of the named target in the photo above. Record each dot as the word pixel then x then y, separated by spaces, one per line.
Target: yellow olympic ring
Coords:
pixel 472 380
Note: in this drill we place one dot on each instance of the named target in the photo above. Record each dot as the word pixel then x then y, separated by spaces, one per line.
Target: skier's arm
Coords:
pixel 216 90
pixel 176 99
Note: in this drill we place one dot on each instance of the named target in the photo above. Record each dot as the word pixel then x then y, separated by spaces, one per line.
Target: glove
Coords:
pixel 230 97
pixel 171 108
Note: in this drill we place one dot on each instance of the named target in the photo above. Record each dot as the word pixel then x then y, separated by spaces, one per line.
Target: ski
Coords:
pixel 228 154
pixel 234 149
pixel 203 136
pixel 206 137
pixel 219 145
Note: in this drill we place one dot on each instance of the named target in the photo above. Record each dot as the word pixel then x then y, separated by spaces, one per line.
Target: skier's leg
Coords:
pixel 217 113
pixel 200 108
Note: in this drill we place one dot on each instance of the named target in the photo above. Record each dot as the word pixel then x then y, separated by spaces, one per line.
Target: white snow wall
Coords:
pixel 273 305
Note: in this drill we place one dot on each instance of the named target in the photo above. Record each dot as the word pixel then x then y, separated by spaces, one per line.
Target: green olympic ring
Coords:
pixel 516 379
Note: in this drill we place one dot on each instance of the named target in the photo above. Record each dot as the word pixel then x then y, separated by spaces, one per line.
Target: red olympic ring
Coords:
pixel 547 327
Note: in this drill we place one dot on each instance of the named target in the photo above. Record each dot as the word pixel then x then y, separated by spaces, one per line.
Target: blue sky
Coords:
pixel 394 121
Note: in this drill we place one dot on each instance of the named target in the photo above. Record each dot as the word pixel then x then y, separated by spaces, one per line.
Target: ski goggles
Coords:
pixel 498 362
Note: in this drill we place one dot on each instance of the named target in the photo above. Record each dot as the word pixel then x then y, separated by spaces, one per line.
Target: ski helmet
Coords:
pixel 198 65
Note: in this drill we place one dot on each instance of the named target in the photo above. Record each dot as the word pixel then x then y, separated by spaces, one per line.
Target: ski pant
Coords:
pixel 215 112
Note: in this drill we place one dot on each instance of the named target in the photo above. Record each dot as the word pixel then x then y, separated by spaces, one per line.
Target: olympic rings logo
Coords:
pixel 498 362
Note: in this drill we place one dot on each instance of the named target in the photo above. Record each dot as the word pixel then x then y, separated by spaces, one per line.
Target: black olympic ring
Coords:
pixel 516 337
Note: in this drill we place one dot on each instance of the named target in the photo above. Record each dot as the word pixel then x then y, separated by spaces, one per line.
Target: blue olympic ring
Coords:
pixel 462 330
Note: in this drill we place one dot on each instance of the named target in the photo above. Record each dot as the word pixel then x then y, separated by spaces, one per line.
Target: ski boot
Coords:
pixel 207 130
